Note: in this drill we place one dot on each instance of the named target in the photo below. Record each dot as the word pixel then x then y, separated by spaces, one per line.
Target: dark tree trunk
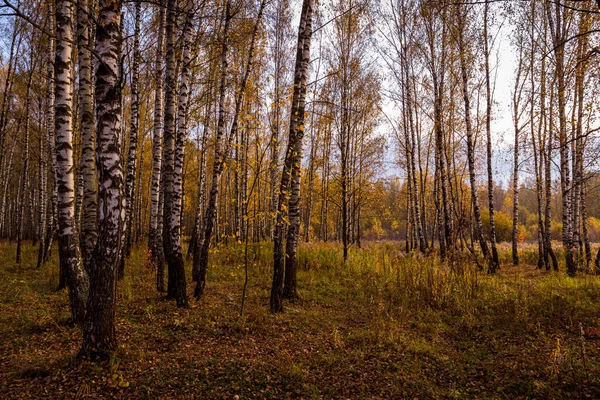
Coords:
pixel 99 338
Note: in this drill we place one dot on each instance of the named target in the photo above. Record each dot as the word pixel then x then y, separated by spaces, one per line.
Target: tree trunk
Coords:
pixel 68 239
pixel 175 260
pixel 584 227
pixel 88 174
pixel 548 180
pixel 516 100
pixel 292 157
pixel 133 143
pixel 293 232
pixel 169 246
pixel 557 30
pixel 578 151
pixel 50 123
pixel 537 144
pixel 494 263
pixel 45 132
pixel 154 233
pixel 200 266
pixel 99 338
pixel 198 221
pixel 25 174
pixel 469 132
pixel 412 166
pixel 50 98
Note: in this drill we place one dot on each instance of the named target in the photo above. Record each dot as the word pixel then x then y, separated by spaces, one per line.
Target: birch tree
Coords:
pixel 293 152
pixel 494 262
pixel 462 18
pixel 87 168
pixel 68 240
pixel 155 231
pixel 133 142
pixel 169 237
pixel 99 337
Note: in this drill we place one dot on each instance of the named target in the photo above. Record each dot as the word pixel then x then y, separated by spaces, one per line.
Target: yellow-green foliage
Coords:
pixel 503 222
pixel 594 229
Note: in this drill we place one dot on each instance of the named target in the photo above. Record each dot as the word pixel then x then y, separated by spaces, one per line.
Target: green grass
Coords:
pixel 385 325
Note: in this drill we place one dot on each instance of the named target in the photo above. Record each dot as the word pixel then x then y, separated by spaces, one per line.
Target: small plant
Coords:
pixel 556 361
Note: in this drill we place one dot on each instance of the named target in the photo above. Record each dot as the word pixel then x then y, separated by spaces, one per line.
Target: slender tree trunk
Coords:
pixel 194 239
pixel 88 174
pixel 173 216
pixel 344 150
pixel 237 187
pixel 133 143
pixel 25 174
pixel 169 146
pixel 137 209
pixel 577 189
pixel 6 173
pixel 244 222
pixel 311 180
pixel 536 143
pixel 198 221
pixel 548 179
pixel 324 226
pixel 293 232
pixel 154 233
pixel 516 100
pixel 494 263
pixel 200 266
pixel 293 154
pixel 413 169
pixel 45 132
pixel 50 126
pixel 444 211
pixel 515 222
pixel 584 228
pixel 68 240
pixel 469 132
pixel 557 30
pixel 539 190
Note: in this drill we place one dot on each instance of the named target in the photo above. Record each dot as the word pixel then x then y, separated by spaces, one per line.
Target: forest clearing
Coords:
pixel 387 325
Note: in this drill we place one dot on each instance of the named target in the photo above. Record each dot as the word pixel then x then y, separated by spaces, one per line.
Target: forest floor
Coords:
pixel 386 325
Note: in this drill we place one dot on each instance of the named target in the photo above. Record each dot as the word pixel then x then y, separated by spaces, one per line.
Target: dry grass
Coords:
pixel 386 325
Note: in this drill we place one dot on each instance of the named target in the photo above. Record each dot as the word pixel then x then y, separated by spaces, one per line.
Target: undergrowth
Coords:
pixel 385 324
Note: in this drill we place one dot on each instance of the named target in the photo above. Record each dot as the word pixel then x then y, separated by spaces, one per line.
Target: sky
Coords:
pixel 503 64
